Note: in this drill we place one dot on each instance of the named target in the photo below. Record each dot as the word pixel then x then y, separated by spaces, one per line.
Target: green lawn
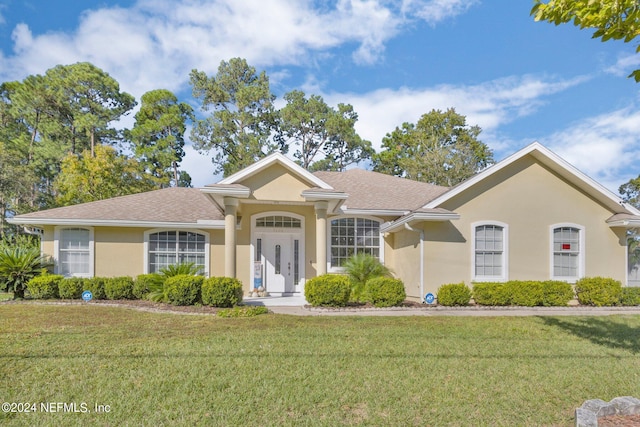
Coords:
pixel 162 369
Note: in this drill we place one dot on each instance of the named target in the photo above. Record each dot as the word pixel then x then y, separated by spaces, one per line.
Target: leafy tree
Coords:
pixel 440 149
pixel 243 115
pixel 316 129
pixel 612 19
pixel 85 178
pixel 158 135
pixel 87 100
pixel 16 180
pixel 18 265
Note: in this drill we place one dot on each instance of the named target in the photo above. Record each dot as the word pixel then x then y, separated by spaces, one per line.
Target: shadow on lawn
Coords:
pixel 609 332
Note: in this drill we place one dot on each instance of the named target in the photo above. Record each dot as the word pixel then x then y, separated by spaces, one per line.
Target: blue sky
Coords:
pixel 519 80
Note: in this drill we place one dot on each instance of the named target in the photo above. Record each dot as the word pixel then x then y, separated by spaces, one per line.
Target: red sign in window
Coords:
pixel 566 246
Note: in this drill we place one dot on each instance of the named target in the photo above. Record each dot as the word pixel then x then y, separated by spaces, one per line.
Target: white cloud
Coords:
pixel 489 104
pixel 624 65
pixel 434 11
pixel 155 43
pixel 605 147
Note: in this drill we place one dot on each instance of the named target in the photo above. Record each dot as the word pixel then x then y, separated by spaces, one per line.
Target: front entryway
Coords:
pixel 278 256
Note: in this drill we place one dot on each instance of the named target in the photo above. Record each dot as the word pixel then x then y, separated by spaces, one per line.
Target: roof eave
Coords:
pixel 414 217
pixel 200 224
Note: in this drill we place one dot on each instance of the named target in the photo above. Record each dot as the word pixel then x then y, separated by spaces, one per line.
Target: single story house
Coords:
pixel 531 216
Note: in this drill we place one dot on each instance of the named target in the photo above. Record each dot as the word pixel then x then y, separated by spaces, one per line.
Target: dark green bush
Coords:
pixel 221 292
pixel 119 287
pixel 490 293
pixel 71 287
pixel 246 311
pixel 524 293
pixel 630 296
pixel 146 283
pixel 454 294
pixel 183 289
pixel 44 287
pixel 598 291
pixel 96 286
pixel 385 291
pixel 331 290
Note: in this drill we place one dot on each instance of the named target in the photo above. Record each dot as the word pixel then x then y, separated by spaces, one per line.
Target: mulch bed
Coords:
pixel 619 421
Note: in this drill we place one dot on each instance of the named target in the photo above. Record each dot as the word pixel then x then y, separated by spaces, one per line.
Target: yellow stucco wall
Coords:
pixel 119 251
pixel 276 183
pixel 529 198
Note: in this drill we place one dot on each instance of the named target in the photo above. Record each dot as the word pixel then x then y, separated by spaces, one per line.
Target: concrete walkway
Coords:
pixel 298 306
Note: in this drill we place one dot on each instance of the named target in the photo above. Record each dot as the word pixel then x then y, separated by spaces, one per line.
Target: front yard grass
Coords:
pixel 165 369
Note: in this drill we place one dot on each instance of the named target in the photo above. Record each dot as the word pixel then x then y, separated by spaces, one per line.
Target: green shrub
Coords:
pixel 183 289
pixel 598 291
pixel 331 290
pixel 524 293
pixel 454 294
pixel 630 296
pixel 71 287
pixel 147 283
pixel 96 286
pixel 490 293
pixel 385 291
pixel 44 287
pixel 246 311
pixel 221 292
pixel 556 293
pixel 361 268
pixel 119 288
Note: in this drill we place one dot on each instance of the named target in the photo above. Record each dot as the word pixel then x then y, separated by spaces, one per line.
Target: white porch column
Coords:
pixel 321 237
pixel 230 210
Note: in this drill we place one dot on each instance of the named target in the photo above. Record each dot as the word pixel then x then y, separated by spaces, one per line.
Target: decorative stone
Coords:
pixel 587 415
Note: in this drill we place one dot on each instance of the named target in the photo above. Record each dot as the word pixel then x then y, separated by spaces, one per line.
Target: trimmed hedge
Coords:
pixel 385 291
pixel 183 289
pixel 523 293
pixel 599 291
pixel 221 292
pixel 331 290
pixel 71 287
pixel 630 296
pixel 119 287
pixel 96 286
pixel 146 283
pixel 454 294
pixel 44 287
pixel 490 293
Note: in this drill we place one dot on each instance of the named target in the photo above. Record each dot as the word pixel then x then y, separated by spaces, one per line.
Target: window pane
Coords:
pixel 172 247
pixel 489 251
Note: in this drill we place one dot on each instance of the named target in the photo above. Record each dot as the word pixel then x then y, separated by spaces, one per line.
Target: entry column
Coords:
pixel 321 237
pixel 230 221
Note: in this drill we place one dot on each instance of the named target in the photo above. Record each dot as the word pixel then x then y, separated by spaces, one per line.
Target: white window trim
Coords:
pixel 505 253
pixel 581 255
pixel 57 231
pixel 191 230
pixel 331 269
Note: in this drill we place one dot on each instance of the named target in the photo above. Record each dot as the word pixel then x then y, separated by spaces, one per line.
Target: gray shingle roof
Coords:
pixel 373 190
pixel 186 205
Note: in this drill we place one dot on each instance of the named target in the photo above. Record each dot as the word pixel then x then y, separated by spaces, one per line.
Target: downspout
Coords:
pixel 421 232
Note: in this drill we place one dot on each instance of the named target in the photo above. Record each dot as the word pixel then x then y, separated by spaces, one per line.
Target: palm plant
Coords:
pixel 18 265
pixel 360 268
pixel 189 268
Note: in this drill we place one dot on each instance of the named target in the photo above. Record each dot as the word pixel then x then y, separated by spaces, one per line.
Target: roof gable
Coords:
pixel 555 163
pixel 276 158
